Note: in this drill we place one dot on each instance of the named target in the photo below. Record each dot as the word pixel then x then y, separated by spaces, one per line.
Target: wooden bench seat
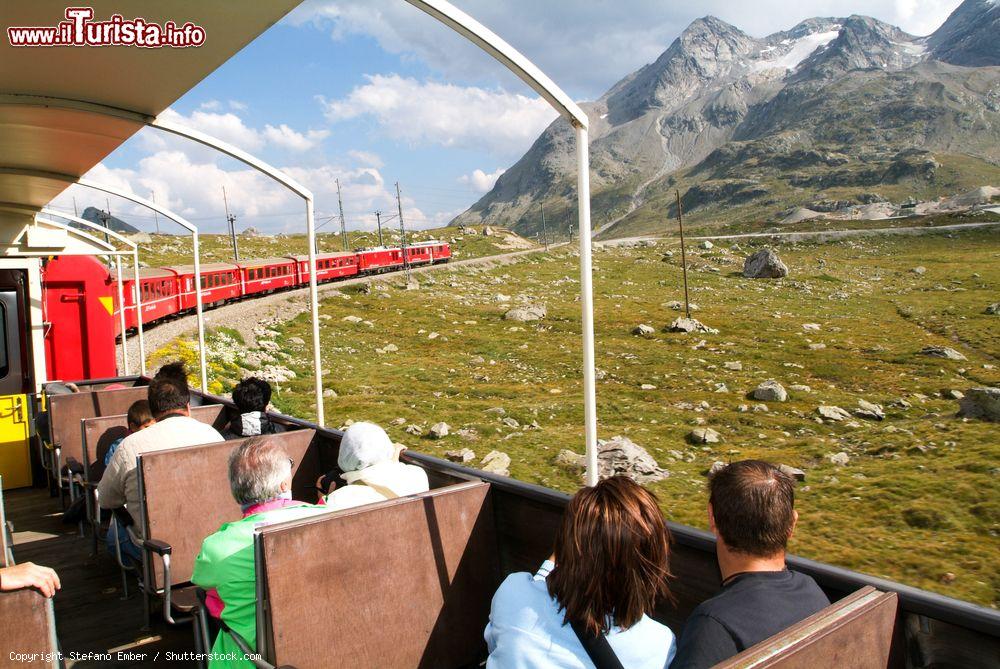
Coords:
pixel 858 631
pixel 29 630
pixel 401 583
pixel 66 412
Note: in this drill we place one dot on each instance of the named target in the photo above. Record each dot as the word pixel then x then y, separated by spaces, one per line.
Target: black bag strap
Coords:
pixel 598 649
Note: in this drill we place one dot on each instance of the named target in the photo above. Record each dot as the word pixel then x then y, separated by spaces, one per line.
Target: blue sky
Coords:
pixel 374 91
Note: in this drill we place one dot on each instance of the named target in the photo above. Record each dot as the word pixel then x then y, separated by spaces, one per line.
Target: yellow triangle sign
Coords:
pixel 109 304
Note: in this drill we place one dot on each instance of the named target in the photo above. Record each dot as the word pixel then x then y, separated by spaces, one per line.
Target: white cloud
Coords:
pixel 368 158
pixel 231 128
pixel 480 181
pixel 422 113
pixel 192 187
pixel 237 105
pixel 591 45
pixel 284 137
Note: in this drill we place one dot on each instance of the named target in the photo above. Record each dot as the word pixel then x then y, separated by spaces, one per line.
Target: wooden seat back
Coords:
pixel 398 584
pixel 98 433
pixel 29 630
pixel 858 631
pixel 186 494
pixel 6 540
pixel 66 412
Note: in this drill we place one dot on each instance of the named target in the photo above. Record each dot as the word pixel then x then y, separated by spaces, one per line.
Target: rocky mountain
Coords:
pixel 844 109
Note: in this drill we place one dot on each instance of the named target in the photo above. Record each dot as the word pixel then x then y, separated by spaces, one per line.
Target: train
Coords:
pixel 81 309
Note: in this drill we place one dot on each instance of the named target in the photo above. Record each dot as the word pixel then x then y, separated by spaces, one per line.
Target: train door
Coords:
pixel 15 381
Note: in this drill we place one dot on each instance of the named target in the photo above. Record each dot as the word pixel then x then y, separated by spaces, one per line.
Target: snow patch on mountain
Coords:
pixel 799 50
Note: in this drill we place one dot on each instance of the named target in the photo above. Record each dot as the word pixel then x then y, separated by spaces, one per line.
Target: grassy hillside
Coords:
pixel 916 502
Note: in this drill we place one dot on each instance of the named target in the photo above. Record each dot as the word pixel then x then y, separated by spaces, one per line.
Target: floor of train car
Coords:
pixel 91 616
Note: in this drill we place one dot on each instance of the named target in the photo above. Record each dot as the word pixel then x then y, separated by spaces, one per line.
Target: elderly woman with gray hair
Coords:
pixel 260 477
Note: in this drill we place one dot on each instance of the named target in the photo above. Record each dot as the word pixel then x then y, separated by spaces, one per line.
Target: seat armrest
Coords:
pixel 161 548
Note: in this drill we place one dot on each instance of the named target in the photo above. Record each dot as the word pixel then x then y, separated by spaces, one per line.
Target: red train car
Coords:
pixel 78 300
pixel 379 259
pixel 159 293
pixel 219 282
pixel 428 253
pixel 329 266
pixel 267 275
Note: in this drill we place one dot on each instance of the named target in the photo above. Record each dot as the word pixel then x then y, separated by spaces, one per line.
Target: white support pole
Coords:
pixel 137 301
pixel 181 221
pixel 199 311
pixel 121 313
pixel 587 304
pixel 314 307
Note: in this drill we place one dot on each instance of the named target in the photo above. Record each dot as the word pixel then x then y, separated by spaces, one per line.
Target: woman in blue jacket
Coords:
pixel 589 604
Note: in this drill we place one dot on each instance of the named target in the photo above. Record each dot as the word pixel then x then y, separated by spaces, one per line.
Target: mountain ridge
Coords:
pixel 737 120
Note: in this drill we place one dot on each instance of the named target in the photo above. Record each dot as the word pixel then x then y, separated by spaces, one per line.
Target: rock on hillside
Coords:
pixel 738 121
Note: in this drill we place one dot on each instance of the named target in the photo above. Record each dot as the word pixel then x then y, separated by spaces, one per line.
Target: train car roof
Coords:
pixel 205 267
pixel 263 262
pixel 54 128
pixel 147 273
pixel 321 256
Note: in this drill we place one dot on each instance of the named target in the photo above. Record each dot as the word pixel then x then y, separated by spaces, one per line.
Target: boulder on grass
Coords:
pixel 765 264
pixel 981 403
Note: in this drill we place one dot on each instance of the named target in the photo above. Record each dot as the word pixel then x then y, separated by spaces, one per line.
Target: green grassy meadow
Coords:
pixel 918 501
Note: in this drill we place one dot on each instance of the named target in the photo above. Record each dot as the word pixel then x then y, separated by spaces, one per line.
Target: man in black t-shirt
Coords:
pixel 751 511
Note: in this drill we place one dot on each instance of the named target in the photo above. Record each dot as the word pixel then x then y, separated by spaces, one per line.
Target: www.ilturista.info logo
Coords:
pixel 79 29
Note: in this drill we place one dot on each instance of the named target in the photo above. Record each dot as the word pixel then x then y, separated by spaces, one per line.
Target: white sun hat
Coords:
pixel 364 445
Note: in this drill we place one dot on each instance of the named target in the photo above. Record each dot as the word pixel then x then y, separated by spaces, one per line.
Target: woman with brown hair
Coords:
pixel 589 604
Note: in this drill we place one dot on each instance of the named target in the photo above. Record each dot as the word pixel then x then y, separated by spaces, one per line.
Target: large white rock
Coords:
pixel 532 312
pixel 770 391
pixel 496 462
pixel 765 264
pixel 832 413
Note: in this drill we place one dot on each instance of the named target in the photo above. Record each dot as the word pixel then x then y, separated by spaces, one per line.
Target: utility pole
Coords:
pixel 378 222
pixel 105 217
pixel 545 233
pixel 402 234
pixel 684 265
pixel 343 225
pixel 231 219
pixel 156 219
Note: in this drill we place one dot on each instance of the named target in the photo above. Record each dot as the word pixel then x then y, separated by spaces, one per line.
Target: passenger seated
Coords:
pixel 29 575
pixel 178 373
pixel 169 404
pixel 139 417
pixel 260 476
pixel 251 396
pixel 751 512
pixel 595 594
pixel 370 465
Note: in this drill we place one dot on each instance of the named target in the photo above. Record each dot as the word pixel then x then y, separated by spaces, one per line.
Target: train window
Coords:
pixel 4 361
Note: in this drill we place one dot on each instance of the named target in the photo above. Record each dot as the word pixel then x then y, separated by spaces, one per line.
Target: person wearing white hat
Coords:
pixel 371 467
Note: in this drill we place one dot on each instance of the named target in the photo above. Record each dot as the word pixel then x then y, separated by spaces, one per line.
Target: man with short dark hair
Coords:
pixel 751 511
pixel 169 403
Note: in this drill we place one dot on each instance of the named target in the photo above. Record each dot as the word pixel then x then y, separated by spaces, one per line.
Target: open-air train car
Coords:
pixel 426 583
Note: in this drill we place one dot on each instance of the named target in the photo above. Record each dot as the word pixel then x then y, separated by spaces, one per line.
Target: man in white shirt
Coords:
pixel 169 402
